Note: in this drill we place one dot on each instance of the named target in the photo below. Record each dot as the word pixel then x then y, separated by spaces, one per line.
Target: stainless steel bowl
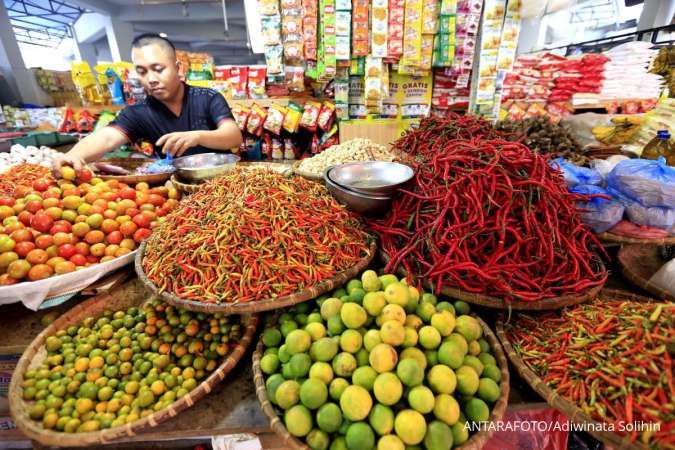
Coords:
pixel 371 177
pixel 202 167
pixel 357 201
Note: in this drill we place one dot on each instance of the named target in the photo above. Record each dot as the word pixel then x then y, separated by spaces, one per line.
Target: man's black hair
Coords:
pixel 153 38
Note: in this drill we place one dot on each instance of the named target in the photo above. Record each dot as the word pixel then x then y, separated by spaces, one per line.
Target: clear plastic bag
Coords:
pixel 600 214
pixel 575 175
pixel 653 216
pixel 652 183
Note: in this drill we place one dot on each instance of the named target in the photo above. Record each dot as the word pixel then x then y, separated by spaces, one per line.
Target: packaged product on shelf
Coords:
pixel 275 118
pixel 268 7
pixel 396 22
pixel 290 149
pixel 360 30
pixel 238 81
pixel 342 47
pixel 358 66
pixel 343 5
pixel 256 119
pixel 310 27
pixel 274 59
pixel 295 78
pixel 310 115
pixel 293 117
pixel 271 29
pixel 379 22
pixel 414 94
pixel 357 98
pixel 412 33
pixel 448 7
pixel 341 91
pixel 277 149
pixel 240 114
pixel 221 73
pixel 326 116
pixel 256 81
pixel 343 23
pixel 430 12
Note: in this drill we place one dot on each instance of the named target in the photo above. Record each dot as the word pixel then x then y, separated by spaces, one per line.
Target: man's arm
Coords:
pixel 225 137
pixel 92 147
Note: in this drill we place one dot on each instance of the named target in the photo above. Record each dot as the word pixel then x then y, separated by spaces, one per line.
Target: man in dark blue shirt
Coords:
pixel 176 118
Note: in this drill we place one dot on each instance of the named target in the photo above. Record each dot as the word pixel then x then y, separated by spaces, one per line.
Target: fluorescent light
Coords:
pixel 162 35
pixel 253 26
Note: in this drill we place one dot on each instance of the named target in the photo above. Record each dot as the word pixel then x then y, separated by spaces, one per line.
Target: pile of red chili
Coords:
pixel 253 235
pixel 612 358
pixel 22 175
pixel 486 216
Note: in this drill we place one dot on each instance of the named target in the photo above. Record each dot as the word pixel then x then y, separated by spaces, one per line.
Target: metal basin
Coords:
pixel 198 168
pixel 371 177
pixel 357 201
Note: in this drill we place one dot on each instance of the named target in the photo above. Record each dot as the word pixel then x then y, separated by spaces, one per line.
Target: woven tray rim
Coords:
pixel 34 430
pixel 635 278
pixel 304 295
pixel 616 239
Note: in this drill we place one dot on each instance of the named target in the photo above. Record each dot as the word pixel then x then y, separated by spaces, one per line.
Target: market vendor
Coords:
pixel 179 119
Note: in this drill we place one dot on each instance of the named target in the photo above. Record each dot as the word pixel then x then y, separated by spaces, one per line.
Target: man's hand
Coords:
pixel 175 144
pixel 68 160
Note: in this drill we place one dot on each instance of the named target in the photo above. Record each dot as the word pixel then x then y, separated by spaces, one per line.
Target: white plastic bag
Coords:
pixel 664 278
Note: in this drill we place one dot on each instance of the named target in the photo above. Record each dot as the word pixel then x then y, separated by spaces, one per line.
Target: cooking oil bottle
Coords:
pixel 660 146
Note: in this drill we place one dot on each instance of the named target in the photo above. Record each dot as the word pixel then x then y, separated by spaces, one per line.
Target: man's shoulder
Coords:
pixel 202 92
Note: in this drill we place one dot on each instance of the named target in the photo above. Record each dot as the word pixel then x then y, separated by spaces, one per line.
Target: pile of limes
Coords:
pixel 379 365
pixel 125 365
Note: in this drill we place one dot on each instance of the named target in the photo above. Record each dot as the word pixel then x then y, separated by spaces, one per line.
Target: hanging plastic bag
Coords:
pixel 652 183
pixel 605 166
pixel 575 175
pixel 599 213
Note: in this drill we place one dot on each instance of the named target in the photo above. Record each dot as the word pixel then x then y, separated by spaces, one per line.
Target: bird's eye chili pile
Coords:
pixel 253 235
pixel 611 358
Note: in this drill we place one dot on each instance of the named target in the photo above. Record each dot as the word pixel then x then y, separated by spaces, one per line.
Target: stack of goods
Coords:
pixel 349 151
pixel 286 132
pixel 664 65
pixel 642 189
pixel 610 358
pixel 196 66
pixel 479 217
pixel 51 229
pixel 18 155
pixel 16 118
pixel 626 74
pixel 539 134
pixel 579 76
pixel 455 79
pixel 241 82
pixel 21 177
pixel 381 365
pixel 89 382
pixel 209 250
pixel 59 86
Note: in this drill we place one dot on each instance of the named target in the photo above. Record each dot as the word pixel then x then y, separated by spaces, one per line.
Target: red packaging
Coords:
pixel 275 118
pixel 326 116
pixel 240 114
pixel 256 81
pixel 256 119
pixel 647 105
pixel 238 81
pixel 631 107
pixel 221 73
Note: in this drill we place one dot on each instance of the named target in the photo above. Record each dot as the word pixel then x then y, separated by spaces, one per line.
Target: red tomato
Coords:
pixel 40 272
pixel 44 241
pixel 60 228
pixel 128 228
pixel 12 227
pixel 92 259
pixel 25 217
pixel 67 250
pixel 7 201
pixel 142 233
pixel 82 248
pixel 33 206
pixel 156 199
pixel 37 256
pixel 131 212
pixel 6 280
pixel 61 238
pixel 51 194
pixel 42 222
pixel 141 220
pixel 66 224
pixel 85 176
pixel 21 235
pixel 128 193
pixel 78 260
pixel 23 248
pixel 41 185
pixel 114 237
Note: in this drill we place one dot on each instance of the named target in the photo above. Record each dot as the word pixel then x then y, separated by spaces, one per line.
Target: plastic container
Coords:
pixel 660 146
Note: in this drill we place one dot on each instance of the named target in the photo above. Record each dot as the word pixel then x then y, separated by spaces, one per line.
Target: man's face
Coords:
pixel 158 71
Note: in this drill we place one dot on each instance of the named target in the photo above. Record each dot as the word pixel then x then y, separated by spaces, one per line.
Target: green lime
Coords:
pixel 488 390
pixel 318 440
pixel 421 399
pixel 321 371
pixel 381 418
pixel 360 437
pixel 442 379
pixel 271 337
pixel 324 349
pixel 329 417
pixel 355 403
pixel 330 308
pixel 313 393
pixel 337 387
pixel 287 394
pixel 477 410
pixel 493 372
pixel 272 384
pixel 300 364
pixel 365 377
pixel 438 437
pixel 344 364
pixel 269 364
pixel 475 363
pixel 298 420
pixel 446 409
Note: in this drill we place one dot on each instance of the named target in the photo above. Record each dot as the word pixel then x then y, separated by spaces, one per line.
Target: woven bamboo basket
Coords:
pixel 131 164
pixel 260 305
pixel 558 402
pixel 639 263
pixel 130 294
pixel 616 239
pixel 184 188
pixel 475 442
pixel 499 303
pixel 305 174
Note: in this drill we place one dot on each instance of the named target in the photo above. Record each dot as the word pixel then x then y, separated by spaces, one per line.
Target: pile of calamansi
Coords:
pixel 125 365
pixel 377 365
